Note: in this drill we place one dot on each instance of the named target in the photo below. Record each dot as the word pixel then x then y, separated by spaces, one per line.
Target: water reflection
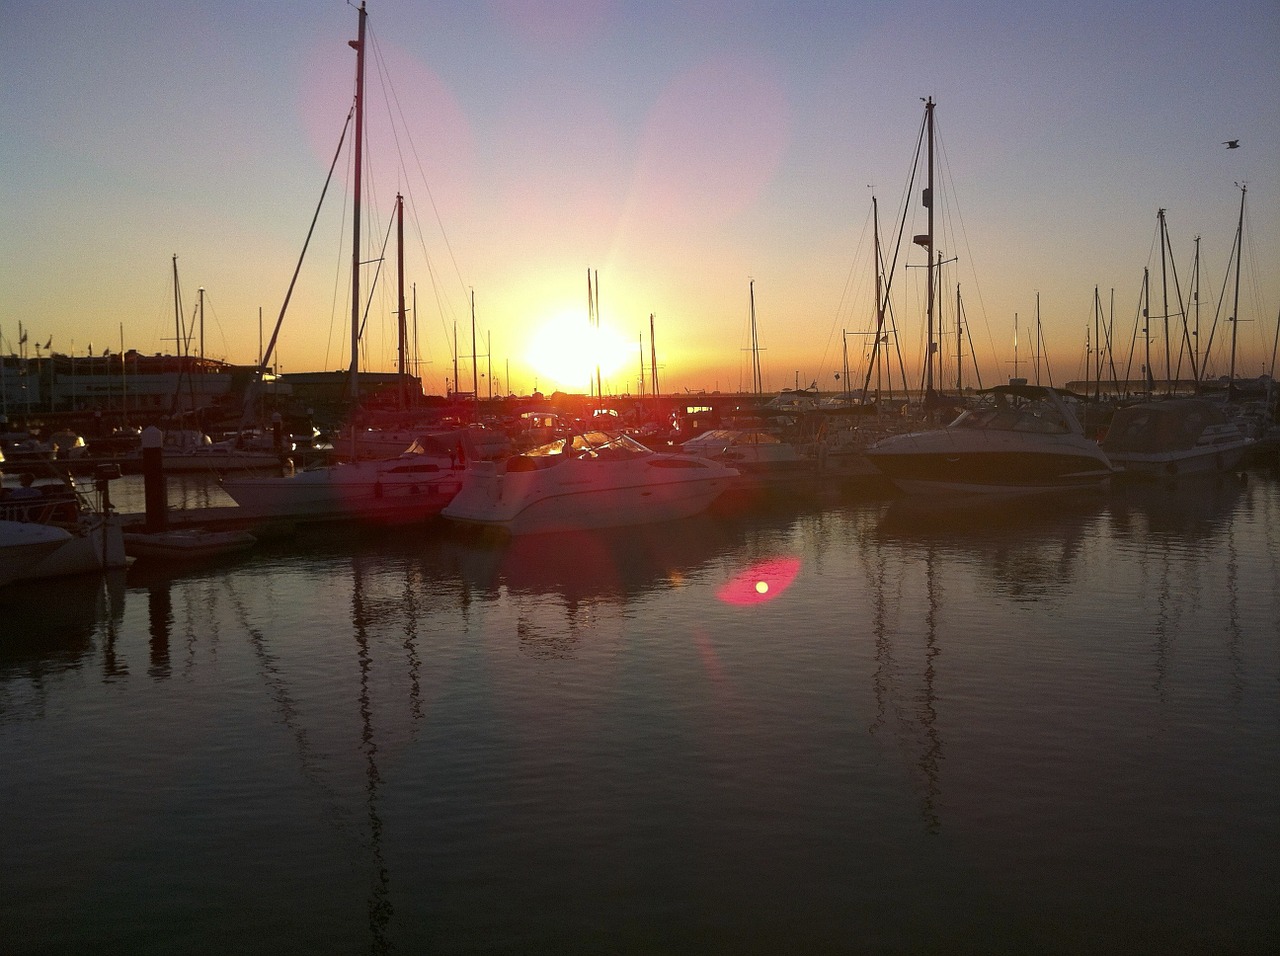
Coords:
pixel 1188 509
pixel 50 624
pixel 1027 549
pixel 379 905
pixel 1181 536
pixel 611 566
pixel 439 733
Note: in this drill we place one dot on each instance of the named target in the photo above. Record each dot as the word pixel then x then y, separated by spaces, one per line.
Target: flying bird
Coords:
pixel 1232 144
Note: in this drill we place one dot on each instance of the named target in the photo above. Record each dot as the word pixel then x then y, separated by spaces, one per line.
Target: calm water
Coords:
pixel 853 728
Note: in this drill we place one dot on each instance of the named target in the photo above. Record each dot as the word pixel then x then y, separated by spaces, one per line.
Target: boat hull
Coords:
pixel 1001 468
pixel 96 544
pixel 395 490
pixel 583 496
pixel 186 544
pixel 24 545
pixel 1173 438
pixel 1211 461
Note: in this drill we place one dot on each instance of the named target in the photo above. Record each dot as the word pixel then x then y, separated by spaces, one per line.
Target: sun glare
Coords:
pixel 566 351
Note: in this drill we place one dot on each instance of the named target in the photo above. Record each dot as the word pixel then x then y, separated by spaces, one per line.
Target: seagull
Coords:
pixel 1232 144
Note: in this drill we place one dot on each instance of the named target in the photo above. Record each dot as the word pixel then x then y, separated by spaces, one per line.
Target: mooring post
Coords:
pixel 153 479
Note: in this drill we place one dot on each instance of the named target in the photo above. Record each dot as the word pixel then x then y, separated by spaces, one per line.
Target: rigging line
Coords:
pixel 846 293
pixel 373 284
pixel 445 307
pixel 1232 259
pixel 951 198
pixel 208 304
pixel 266 355
pixel 1186 349
pixel 394 97
pixel 1133 340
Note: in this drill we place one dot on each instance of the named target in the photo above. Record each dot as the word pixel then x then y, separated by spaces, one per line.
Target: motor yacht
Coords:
pixel 1018 439
pixel 590 480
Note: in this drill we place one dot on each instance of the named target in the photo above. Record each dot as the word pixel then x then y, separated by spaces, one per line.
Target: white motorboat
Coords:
pixel 192 451
pixel 474 441
pixel 411 487
pixel 764 461
pixel 1175 437
pixel 1019 439
pixel 587 481
pixel 25 544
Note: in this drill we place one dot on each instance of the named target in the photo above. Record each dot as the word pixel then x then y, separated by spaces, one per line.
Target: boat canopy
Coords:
pixel 1161 426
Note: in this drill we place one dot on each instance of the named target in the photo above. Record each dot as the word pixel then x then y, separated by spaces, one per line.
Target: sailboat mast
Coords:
pixel 400 313
pixel 1035 343
pixel 354 372
pixel 1235 305
pixel 1146 328
pixel 757 380
pixel 875 265
pixel 653 358
pixel 1164 286
pixel 201 291
pixel 1015 346
pixel 475 371
pixel 1195 298
pixel 959 346
pixel 928 202
pixel 1097 338
pixel 177 311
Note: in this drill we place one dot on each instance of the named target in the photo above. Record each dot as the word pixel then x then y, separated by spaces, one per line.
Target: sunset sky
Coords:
pixel 679 150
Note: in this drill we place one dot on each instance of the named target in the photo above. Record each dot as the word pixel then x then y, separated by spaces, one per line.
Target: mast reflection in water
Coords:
pixel 870 726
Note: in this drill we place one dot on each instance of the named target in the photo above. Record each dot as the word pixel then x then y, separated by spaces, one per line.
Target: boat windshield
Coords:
pixel 591 445
pixel 1002 412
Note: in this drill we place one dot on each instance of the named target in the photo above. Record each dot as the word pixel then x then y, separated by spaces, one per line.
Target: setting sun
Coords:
pixel 566 351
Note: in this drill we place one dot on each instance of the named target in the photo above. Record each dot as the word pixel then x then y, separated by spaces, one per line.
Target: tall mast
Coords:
pixel 354 372
pixel 1164 286
pixel 959 346
pixel 1097 338
pixel 928 202
pixel 1195 298
pixel 1235 306
pixel 875 265
pixel 757 380
pixel 201 290
pixel 1015 346
pixel 1146 328
pixel 177 312
pixel 475 371
pixel 401 324
pixel 599 383
pixel 653 358
pixel 1035 346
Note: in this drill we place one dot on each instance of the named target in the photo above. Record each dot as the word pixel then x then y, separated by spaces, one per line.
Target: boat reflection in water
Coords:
pixel 52 624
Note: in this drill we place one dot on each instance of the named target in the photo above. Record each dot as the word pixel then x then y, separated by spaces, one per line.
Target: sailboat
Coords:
pixel 1173 437
pixel 1020 439
pixel 413 485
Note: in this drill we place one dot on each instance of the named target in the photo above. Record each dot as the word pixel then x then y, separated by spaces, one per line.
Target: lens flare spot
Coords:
pixel 761 582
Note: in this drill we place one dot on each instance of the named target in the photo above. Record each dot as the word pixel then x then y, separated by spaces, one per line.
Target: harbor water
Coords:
pixel 854 726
